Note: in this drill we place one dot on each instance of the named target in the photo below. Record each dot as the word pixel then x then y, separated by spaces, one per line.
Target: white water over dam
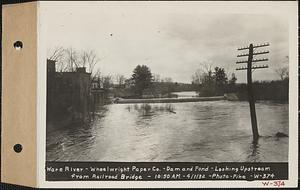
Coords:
pixel 187 94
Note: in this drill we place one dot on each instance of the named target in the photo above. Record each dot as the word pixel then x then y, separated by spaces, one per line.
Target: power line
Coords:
pixel 249 69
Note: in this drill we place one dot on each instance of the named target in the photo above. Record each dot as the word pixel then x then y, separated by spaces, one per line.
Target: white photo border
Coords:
pixel 289 9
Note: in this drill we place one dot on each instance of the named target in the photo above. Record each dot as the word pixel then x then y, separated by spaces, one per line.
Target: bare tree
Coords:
pixel 84 58
pixel 92 60
pixel 120 79
pixel 203 73
pixel 206 67
pixel 96 74
pixel 106 81
pixel 229 70
pixel 168 80
pixel 156 78
pixel 58 55
pixel 72 59
pixel 96 78
pixel 197 77
pixel 89 60
pixel 283 72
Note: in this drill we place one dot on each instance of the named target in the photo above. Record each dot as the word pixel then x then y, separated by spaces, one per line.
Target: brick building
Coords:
pixel 68 96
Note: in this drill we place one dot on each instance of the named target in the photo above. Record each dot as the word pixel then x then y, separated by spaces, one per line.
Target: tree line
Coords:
pixel 142 82
pixel 207 80
pixel 211 81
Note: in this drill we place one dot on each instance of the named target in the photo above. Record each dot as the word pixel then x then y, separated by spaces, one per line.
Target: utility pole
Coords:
pixel 249 69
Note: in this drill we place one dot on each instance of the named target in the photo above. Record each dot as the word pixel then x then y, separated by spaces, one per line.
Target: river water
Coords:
pixel 214 131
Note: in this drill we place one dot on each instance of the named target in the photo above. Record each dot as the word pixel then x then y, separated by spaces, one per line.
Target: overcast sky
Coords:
pixel 173 41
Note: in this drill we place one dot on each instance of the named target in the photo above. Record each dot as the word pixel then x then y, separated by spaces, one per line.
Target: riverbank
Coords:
pixel 168 100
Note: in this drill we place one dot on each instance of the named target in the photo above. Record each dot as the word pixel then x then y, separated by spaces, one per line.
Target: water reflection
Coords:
pixel 146 109
pixel 216 131
pixel 74 140
pixel 254 154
